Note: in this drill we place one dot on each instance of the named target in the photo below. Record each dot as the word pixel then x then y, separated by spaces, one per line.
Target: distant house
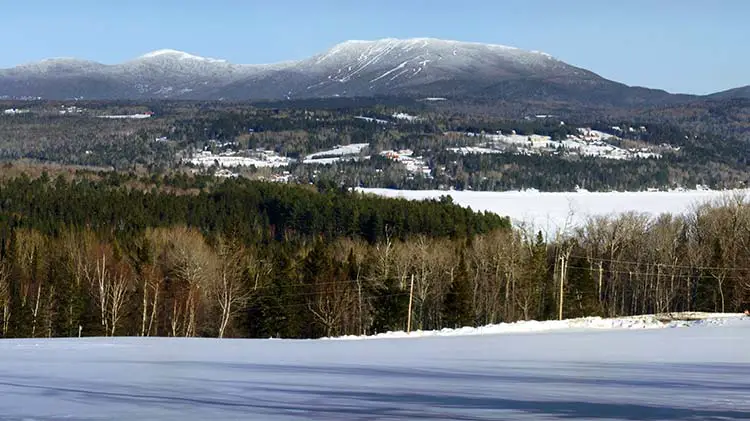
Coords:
pixel 13 111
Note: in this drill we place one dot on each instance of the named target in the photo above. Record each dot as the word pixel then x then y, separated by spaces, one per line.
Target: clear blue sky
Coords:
pixel 693 46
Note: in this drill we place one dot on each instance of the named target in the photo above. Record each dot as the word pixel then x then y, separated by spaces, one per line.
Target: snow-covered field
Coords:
pixel 257 158
pixel 15 111
pixel 336 154
pixel 128 116
pixel 551 211
pixel 413 164
pixel 700 371
pixel 587 142
pixel 405 116
pixel 372 119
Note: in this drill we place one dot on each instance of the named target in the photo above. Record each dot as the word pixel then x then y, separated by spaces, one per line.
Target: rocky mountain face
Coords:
pixel 421 67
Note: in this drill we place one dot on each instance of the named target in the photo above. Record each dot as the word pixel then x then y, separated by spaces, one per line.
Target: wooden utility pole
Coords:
pixel 601 278
pixel 563 264
pixel 411 298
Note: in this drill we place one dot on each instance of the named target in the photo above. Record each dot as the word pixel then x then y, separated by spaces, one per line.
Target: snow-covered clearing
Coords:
pixel 372 119
pixel 466 150
pixel 701 372
pixel 404 116
pixel 552 211
pixel 128 116
pixel 15 111
pixel 336 154
pixel 413 164
pixel 257 158
pixel 587 142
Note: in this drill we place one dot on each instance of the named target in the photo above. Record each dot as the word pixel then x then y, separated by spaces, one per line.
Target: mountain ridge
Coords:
pixel 387 66
pixel 741 92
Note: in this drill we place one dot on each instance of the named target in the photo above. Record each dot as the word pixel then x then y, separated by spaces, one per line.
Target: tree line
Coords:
pixel 244 259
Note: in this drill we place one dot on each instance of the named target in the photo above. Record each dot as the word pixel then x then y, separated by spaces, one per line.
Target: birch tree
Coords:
pixel 190 261
pixel 5 297
pixel 229 290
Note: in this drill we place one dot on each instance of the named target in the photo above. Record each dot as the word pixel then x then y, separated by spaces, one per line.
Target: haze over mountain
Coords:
pixel 419 67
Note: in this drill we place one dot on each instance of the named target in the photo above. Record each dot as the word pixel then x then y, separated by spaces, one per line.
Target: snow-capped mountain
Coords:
pixel 170 73
pixel 419 67
pixel 159 74
pixel 412 66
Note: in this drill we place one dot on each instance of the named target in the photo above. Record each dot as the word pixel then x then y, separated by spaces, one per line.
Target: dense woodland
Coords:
pixel 713 138
pixel 118 254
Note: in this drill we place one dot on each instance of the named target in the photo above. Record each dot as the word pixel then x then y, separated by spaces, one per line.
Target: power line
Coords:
pixel 306 305
pixel 636 263
pixel 636 273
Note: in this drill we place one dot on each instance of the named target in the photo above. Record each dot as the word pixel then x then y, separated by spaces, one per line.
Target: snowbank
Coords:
pixel 649 321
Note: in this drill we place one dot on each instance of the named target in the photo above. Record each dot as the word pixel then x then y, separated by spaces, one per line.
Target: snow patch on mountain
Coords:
pixel 400 66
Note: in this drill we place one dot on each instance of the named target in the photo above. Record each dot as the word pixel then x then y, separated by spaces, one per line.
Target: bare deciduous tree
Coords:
pixel 191 261
pixel 118 287
pixel 5 296
pixel 228 289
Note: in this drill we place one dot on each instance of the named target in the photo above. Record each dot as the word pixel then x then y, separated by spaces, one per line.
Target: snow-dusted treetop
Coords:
pixel 181 55
pixel 423 41
pixel 420 46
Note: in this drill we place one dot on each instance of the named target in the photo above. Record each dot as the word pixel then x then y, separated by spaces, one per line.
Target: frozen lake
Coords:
pixel 683 373
pixel 550 211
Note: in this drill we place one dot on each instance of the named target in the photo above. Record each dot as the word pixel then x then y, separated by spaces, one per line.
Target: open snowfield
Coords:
pixel 550 211
pixel 682 371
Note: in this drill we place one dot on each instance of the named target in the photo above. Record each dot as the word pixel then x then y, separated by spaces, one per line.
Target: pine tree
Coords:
pixel 457 306
pixel 581 298
pixel 390 307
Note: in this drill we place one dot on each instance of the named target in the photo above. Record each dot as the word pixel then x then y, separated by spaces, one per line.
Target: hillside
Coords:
pixel 353 142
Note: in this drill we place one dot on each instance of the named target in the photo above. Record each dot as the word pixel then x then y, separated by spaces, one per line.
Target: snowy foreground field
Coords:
pixel 624 369
pixel 550 211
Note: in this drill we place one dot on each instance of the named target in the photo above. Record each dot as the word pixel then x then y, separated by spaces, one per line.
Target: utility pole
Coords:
pixel 563 263
pixel 411 298
pixel 601 278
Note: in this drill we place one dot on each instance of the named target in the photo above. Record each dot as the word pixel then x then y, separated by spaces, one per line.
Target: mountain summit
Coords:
pixel 175 54
pixel 417 67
